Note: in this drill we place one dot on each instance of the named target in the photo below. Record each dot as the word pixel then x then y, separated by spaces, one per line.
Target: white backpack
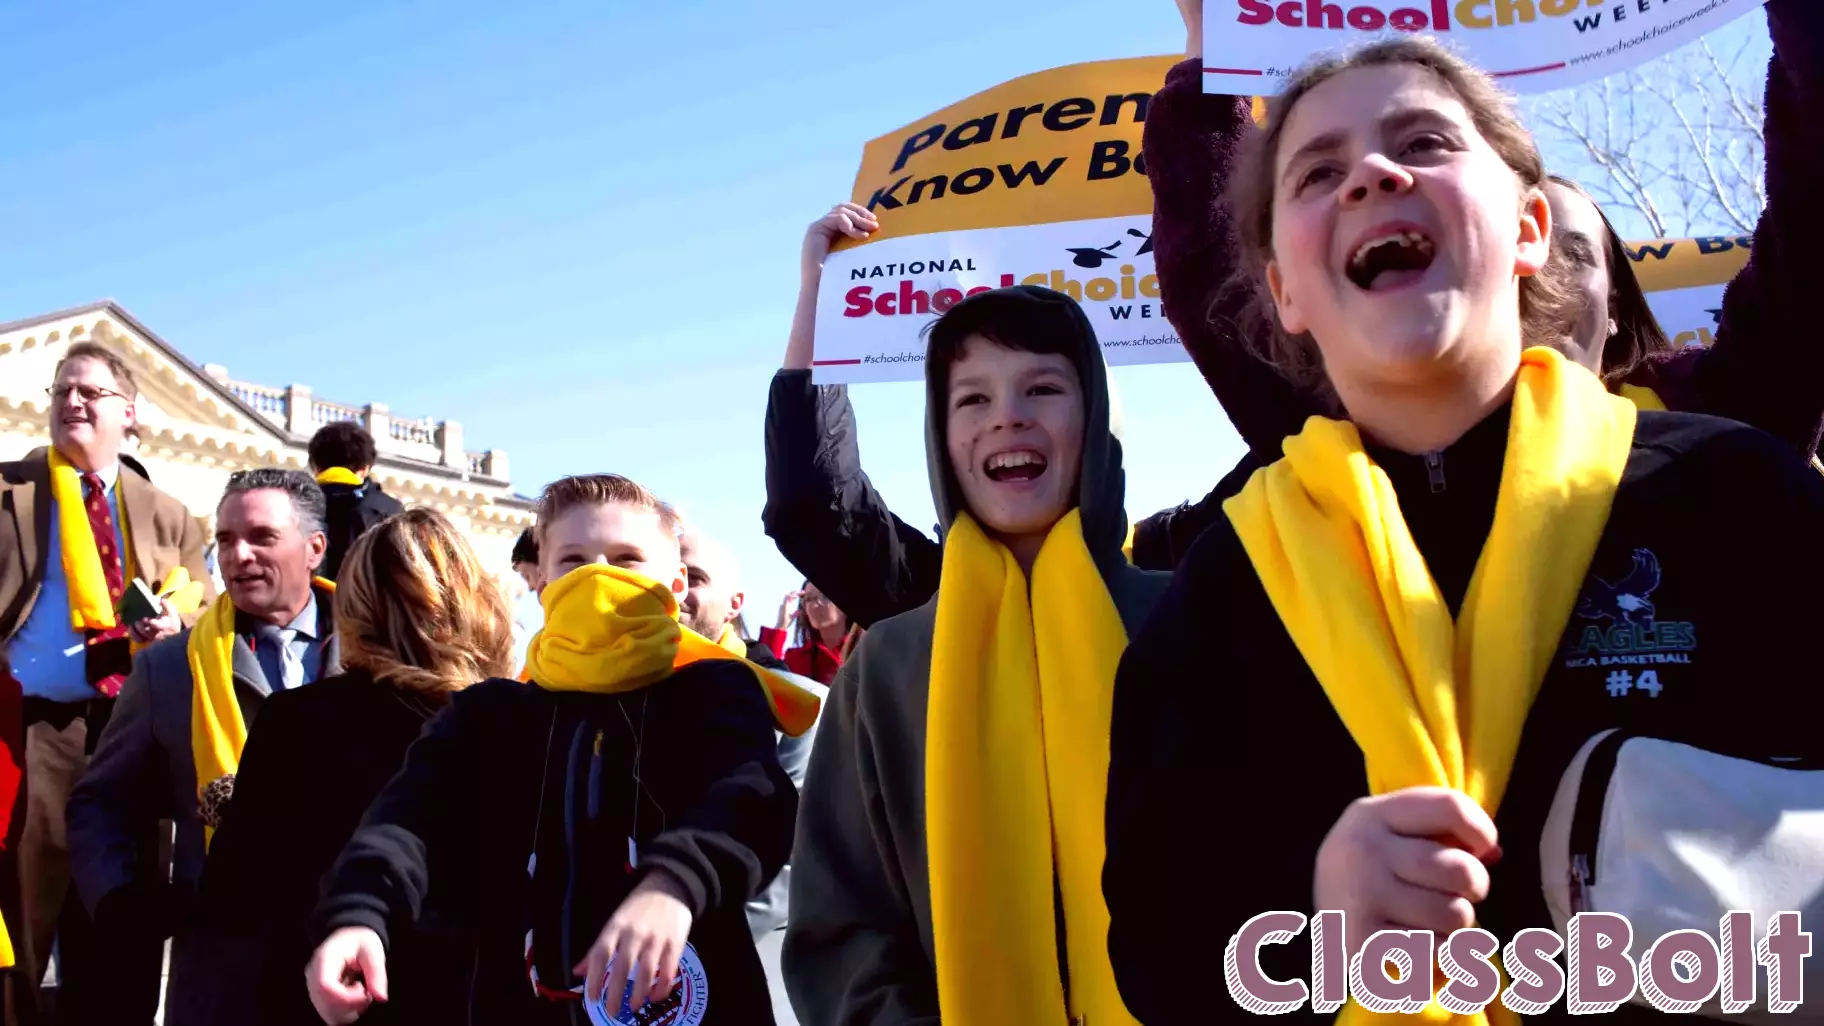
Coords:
pixel 1674 837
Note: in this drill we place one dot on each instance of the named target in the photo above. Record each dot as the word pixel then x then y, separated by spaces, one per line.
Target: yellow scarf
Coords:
pixel 1016 774
pixel 731 640
pixel 609 630
pixel 217 730
pixel 1431 702
pixel 340 476
pixel 1642 397
pixel 91 609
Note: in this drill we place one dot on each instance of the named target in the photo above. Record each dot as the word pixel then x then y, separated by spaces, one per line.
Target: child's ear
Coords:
pixel 1291 317
pixel 1535 242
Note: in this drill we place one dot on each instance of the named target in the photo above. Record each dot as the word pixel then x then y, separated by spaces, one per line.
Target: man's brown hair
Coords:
pixel 117 365
pixel 600 490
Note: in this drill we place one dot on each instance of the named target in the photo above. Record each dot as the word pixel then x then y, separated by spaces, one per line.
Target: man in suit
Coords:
pixel 78 522
pixel 277 631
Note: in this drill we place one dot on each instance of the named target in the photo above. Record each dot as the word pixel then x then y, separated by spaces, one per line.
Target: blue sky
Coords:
pixel 572 226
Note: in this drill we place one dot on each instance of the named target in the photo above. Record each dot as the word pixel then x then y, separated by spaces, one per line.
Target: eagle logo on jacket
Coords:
pixel 1627 600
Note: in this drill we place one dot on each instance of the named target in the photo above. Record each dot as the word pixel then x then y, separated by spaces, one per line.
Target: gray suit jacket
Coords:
pixel 767 912
pixel 143 770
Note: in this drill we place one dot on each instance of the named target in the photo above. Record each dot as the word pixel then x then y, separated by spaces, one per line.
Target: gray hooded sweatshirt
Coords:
pixel 858 948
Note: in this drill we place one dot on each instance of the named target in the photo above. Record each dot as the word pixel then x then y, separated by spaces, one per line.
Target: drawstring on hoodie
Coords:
pixel 570 860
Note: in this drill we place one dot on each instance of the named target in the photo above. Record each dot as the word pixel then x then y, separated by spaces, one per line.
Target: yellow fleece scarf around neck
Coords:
pixel 218 732
pixel 609 630
pixel 339 476
pixel 731 639
pixel 1016 775
pixel 1642 397
pixel 91 608
pixel 1429 701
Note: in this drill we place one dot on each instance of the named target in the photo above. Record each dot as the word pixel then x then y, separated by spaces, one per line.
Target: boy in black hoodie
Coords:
pixel 913 897
pixel 610 788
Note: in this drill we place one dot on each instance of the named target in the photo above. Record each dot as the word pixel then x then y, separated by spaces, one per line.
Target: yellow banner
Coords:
pixel 1064 145
pixel 1041 179
pixel 1687 263
pixel 1058 145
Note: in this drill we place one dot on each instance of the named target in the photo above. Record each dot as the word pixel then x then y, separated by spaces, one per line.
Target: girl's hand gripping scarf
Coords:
pixel 1016 776
pixel 1429 701
pixel 609 630
pixel 218 732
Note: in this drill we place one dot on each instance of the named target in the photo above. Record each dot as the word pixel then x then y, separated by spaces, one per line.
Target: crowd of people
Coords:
pixel 1041 768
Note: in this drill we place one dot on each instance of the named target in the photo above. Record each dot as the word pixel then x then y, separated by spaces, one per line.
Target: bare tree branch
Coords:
pixel 1679 142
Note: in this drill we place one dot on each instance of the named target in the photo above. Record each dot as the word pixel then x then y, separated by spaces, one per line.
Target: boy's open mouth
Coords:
pixel 1014 465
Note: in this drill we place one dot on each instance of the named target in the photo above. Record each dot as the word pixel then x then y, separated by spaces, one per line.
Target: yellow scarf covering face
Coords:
pixel 1016 776
pixel 91 609
pixel 609 630
pixel 1432 702
pixel 339 476
pixel 218 732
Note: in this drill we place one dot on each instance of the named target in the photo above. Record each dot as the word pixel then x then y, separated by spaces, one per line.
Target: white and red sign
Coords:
pixel 1251 46
pixel 876 299
pixel 1041 181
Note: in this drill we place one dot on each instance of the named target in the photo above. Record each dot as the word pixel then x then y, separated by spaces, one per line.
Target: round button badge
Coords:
pixel 684 1006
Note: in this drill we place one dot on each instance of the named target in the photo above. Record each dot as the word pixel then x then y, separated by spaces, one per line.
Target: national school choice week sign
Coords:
pixel 1040 181
pixel 1682 971
pixel 1251 46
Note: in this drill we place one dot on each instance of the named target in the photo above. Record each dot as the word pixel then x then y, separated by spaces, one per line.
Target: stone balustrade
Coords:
pixel 198 426
pixel 296 410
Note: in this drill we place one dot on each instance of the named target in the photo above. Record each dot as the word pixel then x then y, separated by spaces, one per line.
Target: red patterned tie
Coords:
pixel 110 653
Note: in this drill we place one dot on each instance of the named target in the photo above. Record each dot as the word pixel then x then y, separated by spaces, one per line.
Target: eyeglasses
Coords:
pixel 90 394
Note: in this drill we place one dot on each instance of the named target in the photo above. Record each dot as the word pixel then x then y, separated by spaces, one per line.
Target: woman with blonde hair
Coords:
pixel 419 619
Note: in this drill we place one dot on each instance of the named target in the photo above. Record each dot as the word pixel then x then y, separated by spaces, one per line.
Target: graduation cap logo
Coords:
pixel 1088 256
pixel 1093 256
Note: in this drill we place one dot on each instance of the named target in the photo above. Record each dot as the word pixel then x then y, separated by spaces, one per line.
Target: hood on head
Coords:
pixel 1101 492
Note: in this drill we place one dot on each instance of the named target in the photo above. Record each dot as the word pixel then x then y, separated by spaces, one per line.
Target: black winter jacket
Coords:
pixel 352 510
pixel 314 761
pixel 526 816
pixel 1224 744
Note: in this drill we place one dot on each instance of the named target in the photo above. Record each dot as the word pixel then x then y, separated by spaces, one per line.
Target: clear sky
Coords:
pixel 571 225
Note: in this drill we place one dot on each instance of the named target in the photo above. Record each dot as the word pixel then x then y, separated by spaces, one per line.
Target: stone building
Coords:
pixel 198 425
